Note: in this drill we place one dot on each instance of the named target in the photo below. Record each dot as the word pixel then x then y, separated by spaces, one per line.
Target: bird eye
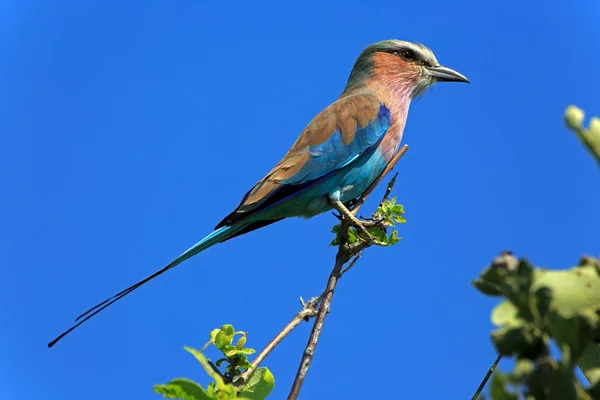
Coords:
pixel 407 55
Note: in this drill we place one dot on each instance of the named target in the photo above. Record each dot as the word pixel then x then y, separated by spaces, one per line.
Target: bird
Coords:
pixel 337 156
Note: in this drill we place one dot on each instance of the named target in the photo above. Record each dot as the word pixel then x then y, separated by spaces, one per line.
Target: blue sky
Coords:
pixel 129 129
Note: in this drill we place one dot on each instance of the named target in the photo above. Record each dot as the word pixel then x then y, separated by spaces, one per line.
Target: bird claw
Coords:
pixel 351 204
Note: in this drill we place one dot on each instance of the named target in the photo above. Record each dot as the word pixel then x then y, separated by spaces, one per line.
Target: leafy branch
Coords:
pixel 385 216
pixel 226 384
pixel 542 308
pixel 545 309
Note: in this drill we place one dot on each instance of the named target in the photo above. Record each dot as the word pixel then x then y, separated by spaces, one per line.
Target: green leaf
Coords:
pixel 590 363
pixel 231 352
pixel 498 390
pixel 351 236
pixel 222 340
pixel 228 330
pixel 200 357
pixel 505 313
pixel 485 287
pixel 492 278
pixel 399 219
pixel 398 209
pixel 378 234
pixel 594 390
pixel 384 208
pixel 553 383
pixel 574 117
pixel 213 334
pixel 228 348
pixel 241 342
pixel 589 137
pixel 260 384
pixel 247 351
pixel 573 289
pixel 593 376
pixel 520 340
pixel 573 332
pixel 220 361
pixel 393 239
pixel 542 300
pixel 516 287
pixel 523 369
pixel 182 388
pixel 337 230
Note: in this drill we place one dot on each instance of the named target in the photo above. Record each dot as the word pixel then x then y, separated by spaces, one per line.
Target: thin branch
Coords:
pixel 354 260
pixel 309 351
pixel 214 368
pixel 486 378
pixel 309 310
pixel 346 252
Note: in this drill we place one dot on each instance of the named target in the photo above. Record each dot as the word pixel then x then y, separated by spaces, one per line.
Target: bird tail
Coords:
pixel 215 237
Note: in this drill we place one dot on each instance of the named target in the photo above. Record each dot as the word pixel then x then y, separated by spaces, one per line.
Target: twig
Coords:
pixel 354 260
pixel 486 378
pixel 309 310
pixel 214 368
pixel 309 351
pixel 346 252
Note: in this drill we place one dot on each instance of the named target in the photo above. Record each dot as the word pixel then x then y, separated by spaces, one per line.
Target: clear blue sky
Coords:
pixel 129 129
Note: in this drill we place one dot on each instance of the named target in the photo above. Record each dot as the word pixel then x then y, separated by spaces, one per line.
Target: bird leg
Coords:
pixel 352 220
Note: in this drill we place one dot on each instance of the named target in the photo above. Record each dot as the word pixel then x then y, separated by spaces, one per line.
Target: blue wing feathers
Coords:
pixel 326 159
pixel 333 154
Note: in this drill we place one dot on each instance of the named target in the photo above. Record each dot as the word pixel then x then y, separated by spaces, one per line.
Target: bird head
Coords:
pixel 401 66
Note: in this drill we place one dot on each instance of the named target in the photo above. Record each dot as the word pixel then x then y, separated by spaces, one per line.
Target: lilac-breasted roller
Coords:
pixel 338 155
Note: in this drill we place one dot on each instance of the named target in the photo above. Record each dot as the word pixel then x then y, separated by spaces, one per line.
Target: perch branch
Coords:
pixel 311 308
pixel 318 325
pixel 346 252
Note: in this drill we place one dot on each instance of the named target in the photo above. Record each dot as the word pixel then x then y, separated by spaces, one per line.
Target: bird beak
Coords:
pixel 445 74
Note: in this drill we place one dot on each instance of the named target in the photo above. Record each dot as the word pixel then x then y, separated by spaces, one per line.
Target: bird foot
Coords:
pixel 361 226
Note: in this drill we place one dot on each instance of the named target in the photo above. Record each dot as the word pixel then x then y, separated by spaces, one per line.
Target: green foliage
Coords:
pixel 225 384
pixel 259 385
pixel 589 137
pixel 498 389
pixel 541 307
pixel 388 214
